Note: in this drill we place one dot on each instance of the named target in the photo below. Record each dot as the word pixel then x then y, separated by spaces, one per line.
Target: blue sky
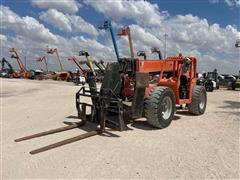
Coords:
pixel 206 29
pixel 220 13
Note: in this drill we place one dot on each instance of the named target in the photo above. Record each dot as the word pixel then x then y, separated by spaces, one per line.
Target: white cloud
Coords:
pixel 57 19
pixel 211 44
pixel 66 47
pixel 190 35
pixel 80 25
pixel 141 11
pixel 3 38
pixel 67 22
pixel 142 40
pixel 31 39
pixel 7 16
pixel 27 27
pixel 233 3
pixel 67 6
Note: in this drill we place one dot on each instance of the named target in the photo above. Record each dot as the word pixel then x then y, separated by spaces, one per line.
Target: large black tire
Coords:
pixel 209 87
pixel 199 100
pixel 159 107
pixel 233 86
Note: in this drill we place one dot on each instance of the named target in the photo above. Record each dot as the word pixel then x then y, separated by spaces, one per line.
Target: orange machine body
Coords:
pixel 168 73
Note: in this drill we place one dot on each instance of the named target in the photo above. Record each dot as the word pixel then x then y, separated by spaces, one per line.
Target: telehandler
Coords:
pixel 132 89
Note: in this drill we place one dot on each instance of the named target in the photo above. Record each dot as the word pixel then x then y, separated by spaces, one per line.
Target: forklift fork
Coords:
pixel 63 142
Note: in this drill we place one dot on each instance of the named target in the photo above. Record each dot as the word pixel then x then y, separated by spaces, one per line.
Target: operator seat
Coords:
pixel 183 80
pixel 183 87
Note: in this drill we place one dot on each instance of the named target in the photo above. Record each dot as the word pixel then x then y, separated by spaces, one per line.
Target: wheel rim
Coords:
pixel 166 107
pixel 202 101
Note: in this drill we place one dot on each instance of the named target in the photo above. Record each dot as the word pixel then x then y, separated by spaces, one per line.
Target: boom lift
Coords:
pixel 43 59
pixel 89 61
pixel 126 32
pixel 98 76
pixel 102 63
pixel 108 25
pixel 100 72
pixel 62 74
pixel 81 75
pixel 100 66
pixel 132 89
pixel 23 73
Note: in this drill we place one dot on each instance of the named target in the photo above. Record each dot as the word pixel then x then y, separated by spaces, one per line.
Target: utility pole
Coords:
pixel 25 61
pixel 165 45
pixel 47 55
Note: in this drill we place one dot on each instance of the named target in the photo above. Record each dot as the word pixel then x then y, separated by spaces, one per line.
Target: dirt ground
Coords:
pixel 204 146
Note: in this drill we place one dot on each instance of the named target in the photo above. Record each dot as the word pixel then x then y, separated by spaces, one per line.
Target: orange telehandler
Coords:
pixel 133 88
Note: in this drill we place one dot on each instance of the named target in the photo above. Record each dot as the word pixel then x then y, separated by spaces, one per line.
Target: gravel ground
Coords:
pixel 196 147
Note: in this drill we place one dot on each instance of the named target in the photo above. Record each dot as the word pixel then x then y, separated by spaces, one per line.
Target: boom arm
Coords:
pixel 4 61
pixel 89 61
pixel 55 50
pixel 102 63
pixel 108 25
pixel 126 32
pixel 99 65
pixel 45 61
pixel 74 59
pixel 19 61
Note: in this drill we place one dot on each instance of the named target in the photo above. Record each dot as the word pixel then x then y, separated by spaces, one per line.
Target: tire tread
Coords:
pixel 151 106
